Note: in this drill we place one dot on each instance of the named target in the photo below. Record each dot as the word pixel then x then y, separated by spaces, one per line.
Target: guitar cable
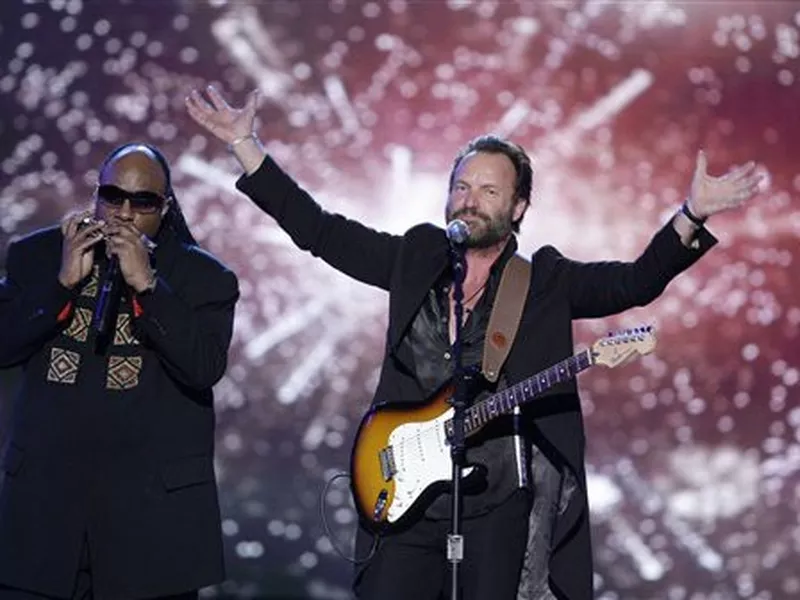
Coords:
pixel 376 538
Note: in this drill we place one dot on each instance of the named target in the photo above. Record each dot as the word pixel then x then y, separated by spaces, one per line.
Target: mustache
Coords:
pixel 468 212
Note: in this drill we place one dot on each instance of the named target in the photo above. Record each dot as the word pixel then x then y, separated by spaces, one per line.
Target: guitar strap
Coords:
pixel 506 315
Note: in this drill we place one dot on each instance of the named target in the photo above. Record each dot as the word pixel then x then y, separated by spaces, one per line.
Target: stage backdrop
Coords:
pixel 693 452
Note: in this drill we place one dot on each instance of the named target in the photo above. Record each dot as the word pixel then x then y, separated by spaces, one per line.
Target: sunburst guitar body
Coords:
pixel 401 457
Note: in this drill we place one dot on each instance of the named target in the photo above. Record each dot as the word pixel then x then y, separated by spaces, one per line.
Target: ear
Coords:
pixel 519 209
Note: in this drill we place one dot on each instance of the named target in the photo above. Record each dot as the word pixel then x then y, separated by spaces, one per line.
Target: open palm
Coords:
pixel 219 118
pixel 711 194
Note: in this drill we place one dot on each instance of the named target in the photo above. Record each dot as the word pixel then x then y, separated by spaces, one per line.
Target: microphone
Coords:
pixel 108 296
pixel 457 232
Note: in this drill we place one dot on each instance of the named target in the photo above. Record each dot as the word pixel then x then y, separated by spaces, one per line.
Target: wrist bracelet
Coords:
pixel 151 284
pixel 239 140
pixel 691 216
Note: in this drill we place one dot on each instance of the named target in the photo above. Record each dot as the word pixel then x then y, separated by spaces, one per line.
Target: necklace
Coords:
pixel 472 296
pixel 476 292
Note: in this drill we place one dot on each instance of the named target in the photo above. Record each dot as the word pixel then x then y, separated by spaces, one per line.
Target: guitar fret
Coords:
pixel 563 368
pixel 522 391
pixel 505 401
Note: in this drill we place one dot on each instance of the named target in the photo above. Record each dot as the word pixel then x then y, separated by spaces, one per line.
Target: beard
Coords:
pixel 485 230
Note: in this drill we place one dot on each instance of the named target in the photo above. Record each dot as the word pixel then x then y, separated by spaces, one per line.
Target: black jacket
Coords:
pixel 561 291
pixel 114 448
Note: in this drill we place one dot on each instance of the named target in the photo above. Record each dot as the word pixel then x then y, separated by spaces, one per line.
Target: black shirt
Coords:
pixel 428 339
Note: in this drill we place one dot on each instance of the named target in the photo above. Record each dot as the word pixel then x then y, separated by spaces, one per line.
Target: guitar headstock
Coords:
pixel 620 346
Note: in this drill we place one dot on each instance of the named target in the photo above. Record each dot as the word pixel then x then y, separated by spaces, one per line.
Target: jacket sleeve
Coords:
pixel 350 247
pixel 599 289
pixel 33 307
pixel 191 333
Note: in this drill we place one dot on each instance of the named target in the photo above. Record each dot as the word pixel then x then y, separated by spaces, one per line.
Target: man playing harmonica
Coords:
pixel 122 325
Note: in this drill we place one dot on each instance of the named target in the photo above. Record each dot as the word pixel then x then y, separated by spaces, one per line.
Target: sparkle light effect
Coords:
pixel 693 452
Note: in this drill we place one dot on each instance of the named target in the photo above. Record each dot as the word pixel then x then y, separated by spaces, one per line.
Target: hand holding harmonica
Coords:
pixel 81 233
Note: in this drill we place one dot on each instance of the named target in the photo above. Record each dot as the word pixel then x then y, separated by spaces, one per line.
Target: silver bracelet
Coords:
pixel 151 286
pixel 239 140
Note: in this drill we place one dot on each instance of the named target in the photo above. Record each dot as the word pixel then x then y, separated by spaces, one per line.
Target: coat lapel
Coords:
pixel 425 264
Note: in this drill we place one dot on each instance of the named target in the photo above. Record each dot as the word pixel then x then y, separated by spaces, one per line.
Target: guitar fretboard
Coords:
pixel 505 401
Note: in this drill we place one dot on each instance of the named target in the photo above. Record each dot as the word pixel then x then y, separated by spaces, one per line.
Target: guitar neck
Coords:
pixel 507 400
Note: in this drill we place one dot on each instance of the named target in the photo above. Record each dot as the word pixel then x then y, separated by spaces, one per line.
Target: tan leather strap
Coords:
pixel 506 315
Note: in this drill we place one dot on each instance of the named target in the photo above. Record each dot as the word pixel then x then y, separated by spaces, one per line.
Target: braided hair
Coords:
pixel 173 218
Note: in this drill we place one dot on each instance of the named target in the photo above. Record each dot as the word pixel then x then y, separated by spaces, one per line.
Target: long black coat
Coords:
pixel 561 291
pixel 114 448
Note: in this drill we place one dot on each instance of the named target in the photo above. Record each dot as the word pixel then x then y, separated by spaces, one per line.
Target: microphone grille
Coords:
pixel 457 231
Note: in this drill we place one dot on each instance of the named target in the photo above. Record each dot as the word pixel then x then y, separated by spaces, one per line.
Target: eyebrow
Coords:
pixel 485 186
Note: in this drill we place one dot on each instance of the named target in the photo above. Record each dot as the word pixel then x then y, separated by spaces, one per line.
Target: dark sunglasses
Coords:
pixel 142 202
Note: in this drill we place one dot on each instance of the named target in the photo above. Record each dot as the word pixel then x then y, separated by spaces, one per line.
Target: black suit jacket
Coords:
pixel 114 448
pixel 561 290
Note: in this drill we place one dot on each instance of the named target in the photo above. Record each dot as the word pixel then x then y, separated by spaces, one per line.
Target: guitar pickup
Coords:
pixel 380 504
pixel 388 467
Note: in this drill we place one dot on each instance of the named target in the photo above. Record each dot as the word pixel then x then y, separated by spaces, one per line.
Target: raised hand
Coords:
pixel 219 118
pixel 710 195
pixel 76 249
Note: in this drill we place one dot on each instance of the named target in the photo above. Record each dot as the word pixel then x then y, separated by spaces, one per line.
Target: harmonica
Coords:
pixel 88 221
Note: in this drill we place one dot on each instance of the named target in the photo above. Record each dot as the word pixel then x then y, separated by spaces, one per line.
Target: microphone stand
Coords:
pixel 455 541
pixel 104 318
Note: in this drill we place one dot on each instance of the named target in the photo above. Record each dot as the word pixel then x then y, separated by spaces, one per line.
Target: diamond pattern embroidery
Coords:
pixel 63 366
pixel 123 372
pixel 90 289
pixel 79 326
pixel 124 333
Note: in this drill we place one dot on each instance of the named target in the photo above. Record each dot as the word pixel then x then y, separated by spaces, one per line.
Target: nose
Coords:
pixel 125 211
pixel 470 199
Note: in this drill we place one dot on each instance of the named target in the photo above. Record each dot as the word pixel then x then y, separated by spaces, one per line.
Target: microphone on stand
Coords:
pixel 106 308
pixel 458 233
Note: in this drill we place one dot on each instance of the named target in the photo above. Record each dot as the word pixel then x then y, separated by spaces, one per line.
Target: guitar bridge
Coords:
pixel 388 467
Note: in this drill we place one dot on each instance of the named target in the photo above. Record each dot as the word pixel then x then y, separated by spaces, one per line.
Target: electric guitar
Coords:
pixel 401 455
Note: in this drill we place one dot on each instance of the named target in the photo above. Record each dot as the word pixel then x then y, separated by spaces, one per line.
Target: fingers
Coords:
pixel 82 245
pixel 701 168
pixel 123 237
pixel 198 108
pixel 746 186
pixel 752 189
pixel 117 244
pixel 70 223
pixel 740 172
pixel 89 232
pixel 216 98
pixel 252 101
pixel 123 230
pixel 196 100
